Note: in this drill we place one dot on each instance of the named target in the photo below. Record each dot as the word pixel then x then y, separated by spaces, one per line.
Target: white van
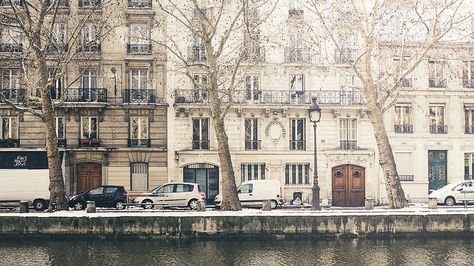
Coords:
pixel 25 185
pixel 253 193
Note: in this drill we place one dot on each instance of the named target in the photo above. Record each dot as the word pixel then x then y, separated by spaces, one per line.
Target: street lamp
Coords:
pixel 114 70
pixel 314 117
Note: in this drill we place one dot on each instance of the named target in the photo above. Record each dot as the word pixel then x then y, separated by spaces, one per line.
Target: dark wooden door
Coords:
pixel 348 186
pixel 437 169
pixel 89 175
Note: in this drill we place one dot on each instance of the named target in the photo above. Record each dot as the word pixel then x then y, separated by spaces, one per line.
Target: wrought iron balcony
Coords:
pixel 345 56
pixel 404 129
pixel 86 95
pixel 297 55
pixel 296 13
pixel 200 144
pixel 139 96
pixel 89 3
pixel 139 3
pixel 62 143
pixel 197 54
pixel 334 97
pixel 439 129
pixel 299 145
pixel 469 129
pixel 406 83
pixel 14 95
pixel 468 83
pixel 56 48
pixel 256 54
pixel 406 177
pixel 90 48
pixel 11 48
pixel 89 142
pixel 133 48
pixel 62 3
pixel 253 144
pixel 9 143
pixel 437 83
pixel 198 12
pixel 348 145
pixel 7 3
pixel 139 143
pixel 467 177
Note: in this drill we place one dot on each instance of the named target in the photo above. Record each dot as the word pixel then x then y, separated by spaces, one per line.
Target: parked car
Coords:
pixel 104 196
pixel 172 195
pixel 456 192
pixel 253 193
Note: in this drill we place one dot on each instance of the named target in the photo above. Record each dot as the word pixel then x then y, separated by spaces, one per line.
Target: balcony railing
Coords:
pixel 439 129
pixel 296 13
pixel 139 143
pixel 62 143
pixel 90 48
pixel 7 3
pixel 89 3
pixel 467 177
pixel 406 83
pixel 139 3
pixel 256 54
pixel 336 97
pixel 89 142
pixel 408 129
pixel 14 95
pixel 11 48
pixel 139 96
pixel 469 129
pixel 9 143
pixel 56 48
pixel 62 3
pixel 197 54
pixel 437 83
pixel 406 177
pixel 468 83
pixel 86 95
pixel 252 144
pixel 348 145
pixel 295 55
pixel 133 48
pixel 345 56
pixel 200 144
pixel 299 145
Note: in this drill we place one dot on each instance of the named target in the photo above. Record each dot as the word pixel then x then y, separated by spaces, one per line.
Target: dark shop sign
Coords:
pixel 23 160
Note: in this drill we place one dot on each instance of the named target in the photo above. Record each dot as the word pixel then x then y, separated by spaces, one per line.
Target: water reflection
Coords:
pixel 237 252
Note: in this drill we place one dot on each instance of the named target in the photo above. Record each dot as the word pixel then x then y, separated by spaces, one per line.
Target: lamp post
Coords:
pixel 114 70
pixel 314 117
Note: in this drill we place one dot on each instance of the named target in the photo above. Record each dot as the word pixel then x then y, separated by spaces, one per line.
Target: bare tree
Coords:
pixel 358 30
pixel 45 54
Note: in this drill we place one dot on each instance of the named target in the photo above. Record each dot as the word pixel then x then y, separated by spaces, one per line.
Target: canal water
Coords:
pixel 255 251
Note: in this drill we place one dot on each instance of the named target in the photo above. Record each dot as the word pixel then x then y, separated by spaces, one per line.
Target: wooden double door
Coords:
pixel 89 175
pixel 348 185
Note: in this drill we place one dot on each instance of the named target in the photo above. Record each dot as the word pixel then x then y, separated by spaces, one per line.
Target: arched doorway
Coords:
pixel 206 175
pixel 89 175
pixel 348 185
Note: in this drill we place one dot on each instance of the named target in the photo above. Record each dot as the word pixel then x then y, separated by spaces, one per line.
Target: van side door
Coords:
pixel 246 195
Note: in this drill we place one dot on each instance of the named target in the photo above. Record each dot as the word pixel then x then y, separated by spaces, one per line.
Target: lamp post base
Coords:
pixel 315 204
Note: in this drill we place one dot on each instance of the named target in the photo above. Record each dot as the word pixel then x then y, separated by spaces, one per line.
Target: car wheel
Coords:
pixel 79 206
pixel 273 204
pixel 450 201
pixel 193 204
pixel 39 205
pixel 120 205
pixel 147 201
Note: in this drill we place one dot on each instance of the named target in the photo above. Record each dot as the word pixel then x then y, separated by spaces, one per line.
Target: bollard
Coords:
pixel 432 203
pixel 267 205
pixel 24 207
pixel 201 206
pixel 90 207
pixel 369 203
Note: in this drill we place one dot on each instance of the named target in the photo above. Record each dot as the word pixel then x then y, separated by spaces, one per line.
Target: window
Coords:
pixel 139 3
pixel 201 133
pixel 200 88
pixel 296 50
pixel 251 134
pixel 56 83
pixel 164 189
pixel 198 50
pixel 469 119
pixel 252 171
pixel 295 9
pixel 139 39
pixel 468 165
pixel 139 131
pixel 252 88
pixel 88 91
pixel 297 174
pixel 253 50
pixel 437 123
pixel 110 190
pixel 10 40
pixel 404 162
pixel 58 39
pixel 297 88
pixel 139 177
pixel 181 188
pixel 138 78
pixel 348 133
pixel 403 118
pixel 90 38
pixel 89 3
pixel 297 134
pixel 468 74
pixel 436 74
pixel 10 84
pixel 96 191
pixel 9 129
pixel 248 188
pixel 89 129
pixel 60 127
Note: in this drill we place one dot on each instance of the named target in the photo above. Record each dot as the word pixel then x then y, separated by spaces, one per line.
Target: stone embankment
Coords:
pixel 240 224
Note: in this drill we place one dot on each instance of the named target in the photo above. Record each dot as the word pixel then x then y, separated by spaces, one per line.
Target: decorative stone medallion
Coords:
pixel 275 130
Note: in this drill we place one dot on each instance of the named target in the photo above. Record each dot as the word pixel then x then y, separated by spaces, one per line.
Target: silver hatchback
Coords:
pixel 172 195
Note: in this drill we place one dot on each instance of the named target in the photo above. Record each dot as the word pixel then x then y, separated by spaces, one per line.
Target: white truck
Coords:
pixel 253 193
pixel 24 185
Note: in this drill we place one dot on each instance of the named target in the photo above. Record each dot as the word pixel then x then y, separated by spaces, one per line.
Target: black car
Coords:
pixel 104 196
